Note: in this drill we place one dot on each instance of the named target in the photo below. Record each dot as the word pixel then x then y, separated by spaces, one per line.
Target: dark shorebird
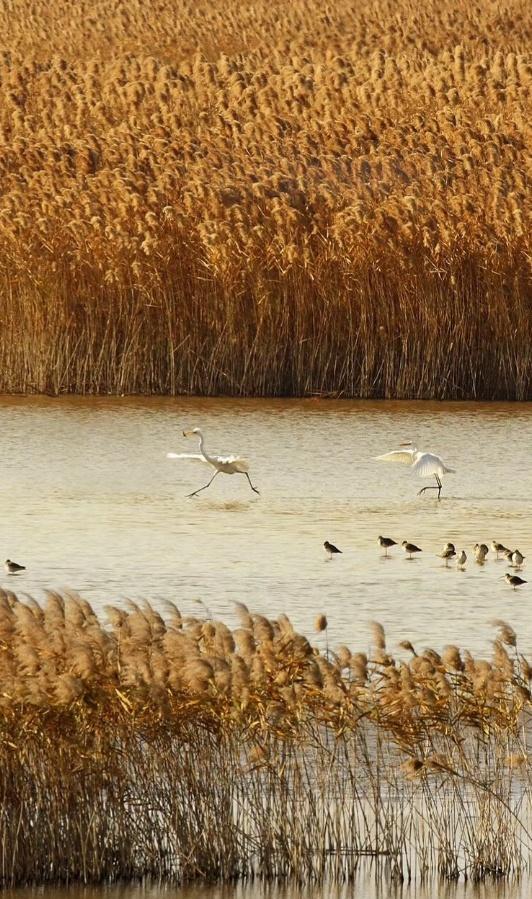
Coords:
pixel 461 559
pixel 481 551
pixel 517 558
pixel 331 549
pixel 410 548
pixel 13 567
pixel 514 580
pixel 447 553
pixel 386 543
pixel 498 547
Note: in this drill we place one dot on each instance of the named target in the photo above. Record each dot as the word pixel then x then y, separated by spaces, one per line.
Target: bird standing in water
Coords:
pixel 425 465
pixel 517 559
pixel 331 549
pixel 461 560
pixel 514 580
pixel 410 548
pixel 386 543
pixel 447 553
pixel 13 567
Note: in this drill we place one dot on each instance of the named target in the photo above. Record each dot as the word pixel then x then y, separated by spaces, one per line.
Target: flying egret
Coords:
pixel 331 549
pixel 386 543
pixel 13 567
pixel 224 464
pixel 425 465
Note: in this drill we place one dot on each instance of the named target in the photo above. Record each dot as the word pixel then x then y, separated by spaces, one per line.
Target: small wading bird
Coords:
pixel 447 553
pixel 410 548
pixel 514 580
pixel 517 558
pixel 13 567
pixel 224 464
pixel 498 547
pixel 461 560
pixel 386 543
pixel 331 549
pixel 481 551
pixel 425 465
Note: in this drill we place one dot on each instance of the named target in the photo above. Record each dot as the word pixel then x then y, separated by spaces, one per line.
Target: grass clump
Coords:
pixel 180 749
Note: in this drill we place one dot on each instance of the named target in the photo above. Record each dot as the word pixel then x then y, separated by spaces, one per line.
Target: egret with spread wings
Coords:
pixel 425 465
pixel 224 464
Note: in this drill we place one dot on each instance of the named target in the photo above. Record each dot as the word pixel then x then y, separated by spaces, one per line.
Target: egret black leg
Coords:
pixel 250 484
pixel 206 485
pixel 437 487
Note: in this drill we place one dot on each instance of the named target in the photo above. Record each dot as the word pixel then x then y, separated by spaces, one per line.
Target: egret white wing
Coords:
pixel 403 456
pixel 196 457
pixel 428 465
pixel 237 461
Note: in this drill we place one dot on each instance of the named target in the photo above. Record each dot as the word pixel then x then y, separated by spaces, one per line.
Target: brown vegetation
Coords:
pixel 179 748
pixel 266 198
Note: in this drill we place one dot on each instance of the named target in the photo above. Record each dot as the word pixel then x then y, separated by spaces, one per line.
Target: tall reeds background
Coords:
pixel 269 198
pixel 177 748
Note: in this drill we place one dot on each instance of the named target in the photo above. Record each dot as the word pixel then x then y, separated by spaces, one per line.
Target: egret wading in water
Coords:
pixel 224 464
pixel 425 465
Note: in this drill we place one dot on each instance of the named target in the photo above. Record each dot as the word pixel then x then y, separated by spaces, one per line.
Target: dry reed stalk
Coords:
pixel 141 748
pixel 326 205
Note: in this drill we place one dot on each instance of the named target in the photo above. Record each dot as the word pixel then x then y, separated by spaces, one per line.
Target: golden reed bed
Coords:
pixel 272 198
pixel 179 748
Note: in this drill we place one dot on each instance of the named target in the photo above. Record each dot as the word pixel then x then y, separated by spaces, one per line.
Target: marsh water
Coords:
pixel 368 886
pixel 90 502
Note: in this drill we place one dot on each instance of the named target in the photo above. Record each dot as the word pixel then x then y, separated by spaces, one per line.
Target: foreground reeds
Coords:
pixel 178 748
pixel 268 199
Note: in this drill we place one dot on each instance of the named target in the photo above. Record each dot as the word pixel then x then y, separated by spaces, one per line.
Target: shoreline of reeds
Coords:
pixel 152 745
pixel 266 201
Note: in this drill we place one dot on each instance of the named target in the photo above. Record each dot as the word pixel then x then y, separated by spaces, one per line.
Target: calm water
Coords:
pixel 368 886
pixel 90 502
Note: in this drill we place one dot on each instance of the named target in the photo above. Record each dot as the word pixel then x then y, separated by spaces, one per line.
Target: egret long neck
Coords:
pixel 202 449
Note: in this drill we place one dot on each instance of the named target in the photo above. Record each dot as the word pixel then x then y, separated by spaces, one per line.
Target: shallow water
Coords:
pixel 367 886
pixel 90 502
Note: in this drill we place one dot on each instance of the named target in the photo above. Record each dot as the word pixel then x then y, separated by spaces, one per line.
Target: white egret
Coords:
pixel 224 464
pixel 13 567
pixel 425 465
